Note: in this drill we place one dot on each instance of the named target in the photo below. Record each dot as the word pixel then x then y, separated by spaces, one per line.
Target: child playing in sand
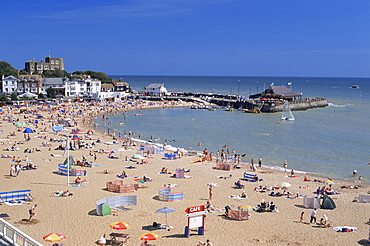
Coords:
pixel 32 212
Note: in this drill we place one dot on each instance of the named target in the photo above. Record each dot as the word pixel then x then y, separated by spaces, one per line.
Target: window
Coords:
pixel 56 62
pixel 52 61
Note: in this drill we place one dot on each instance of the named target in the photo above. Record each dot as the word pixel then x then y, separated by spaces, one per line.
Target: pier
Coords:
pixel 263 105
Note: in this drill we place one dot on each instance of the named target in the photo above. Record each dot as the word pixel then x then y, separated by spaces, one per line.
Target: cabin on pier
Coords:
pixel 278 92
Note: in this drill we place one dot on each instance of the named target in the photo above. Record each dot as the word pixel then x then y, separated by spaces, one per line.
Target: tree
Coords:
pixel 3 97
pixel 55 73
pixel 41 96
pixel 50 92
pixel 7 69
pixel 104 78
pixel 13 97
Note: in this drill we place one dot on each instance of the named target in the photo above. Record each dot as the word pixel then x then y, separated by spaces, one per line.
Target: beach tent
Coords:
pixel 69 161
pixel 328 203
pixel 103 209
pixel 27 94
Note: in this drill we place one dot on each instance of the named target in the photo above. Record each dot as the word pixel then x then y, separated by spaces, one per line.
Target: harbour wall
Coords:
pixel 266 106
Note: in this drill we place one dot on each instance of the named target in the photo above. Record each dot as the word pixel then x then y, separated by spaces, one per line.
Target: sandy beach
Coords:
pixel 75 216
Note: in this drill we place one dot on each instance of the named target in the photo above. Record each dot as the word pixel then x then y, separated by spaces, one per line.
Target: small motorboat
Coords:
pixel 354 86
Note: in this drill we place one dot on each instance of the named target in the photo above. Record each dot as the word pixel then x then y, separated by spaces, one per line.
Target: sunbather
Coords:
pixel 239 184
pixel 80 181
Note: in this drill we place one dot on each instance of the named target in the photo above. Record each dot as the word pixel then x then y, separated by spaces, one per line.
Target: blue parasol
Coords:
pixel 28 130
pixel 57 128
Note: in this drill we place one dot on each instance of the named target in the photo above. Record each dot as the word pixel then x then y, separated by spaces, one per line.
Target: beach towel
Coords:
pixel 344 229
pixel 16 203
pixel 237 197
pixel 78 185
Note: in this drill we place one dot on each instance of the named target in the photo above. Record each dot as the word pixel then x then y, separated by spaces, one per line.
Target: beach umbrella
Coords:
pixel 136 156
pixel 245 208
pixel 149 236
pixel 57 128
pixel 18 124
pixel 75 137
pixel 166 210
pixel 54 237
pixel 284 185
pixel 28 130
pixel 139 180
pixel 36 122
pixel 329 182
pixel 119 225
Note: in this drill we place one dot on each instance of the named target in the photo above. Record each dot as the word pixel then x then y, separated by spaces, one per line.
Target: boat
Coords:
pixel 254 111
pixel 354 86
pixel 287 113
pixel 229 108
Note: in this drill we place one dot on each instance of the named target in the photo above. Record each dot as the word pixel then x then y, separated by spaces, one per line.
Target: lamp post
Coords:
pixel 238 87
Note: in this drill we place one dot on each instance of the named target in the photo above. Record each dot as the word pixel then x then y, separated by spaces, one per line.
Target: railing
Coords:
pixel 15 236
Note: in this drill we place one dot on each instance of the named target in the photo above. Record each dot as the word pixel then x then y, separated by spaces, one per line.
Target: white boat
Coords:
pixel 229 108
pixel 287 113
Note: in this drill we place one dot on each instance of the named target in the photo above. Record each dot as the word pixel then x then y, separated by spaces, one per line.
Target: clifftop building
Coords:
pixel 49 64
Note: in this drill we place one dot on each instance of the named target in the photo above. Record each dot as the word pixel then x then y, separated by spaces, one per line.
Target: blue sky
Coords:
pixel 328 38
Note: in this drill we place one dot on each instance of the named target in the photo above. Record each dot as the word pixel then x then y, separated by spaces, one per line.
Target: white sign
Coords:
pixel 195 221
pixel 196 214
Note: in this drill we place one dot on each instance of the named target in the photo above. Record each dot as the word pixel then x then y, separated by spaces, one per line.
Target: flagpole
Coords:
pixel 68 160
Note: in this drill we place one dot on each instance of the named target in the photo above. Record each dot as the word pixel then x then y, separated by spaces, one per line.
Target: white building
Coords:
pixel 9 84
pixel 155 89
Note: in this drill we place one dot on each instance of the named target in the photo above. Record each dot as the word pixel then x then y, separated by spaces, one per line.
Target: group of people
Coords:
pixel 206 243
pixel 323 221
pixel 266 206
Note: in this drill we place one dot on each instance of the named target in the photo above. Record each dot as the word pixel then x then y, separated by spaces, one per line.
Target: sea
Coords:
pixel 328 142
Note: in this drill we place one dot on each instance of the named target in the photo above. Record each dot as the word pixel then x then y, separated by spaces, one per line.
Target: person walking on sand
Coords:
pixel 210 192
pixel 260 162
pixel 302 217
pixel 32 212
pixel 313 216
pixel 285 165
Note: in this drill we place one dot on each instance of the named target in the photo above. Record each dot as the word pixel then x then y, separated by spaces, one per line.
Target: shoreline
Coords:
pixel 272 167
